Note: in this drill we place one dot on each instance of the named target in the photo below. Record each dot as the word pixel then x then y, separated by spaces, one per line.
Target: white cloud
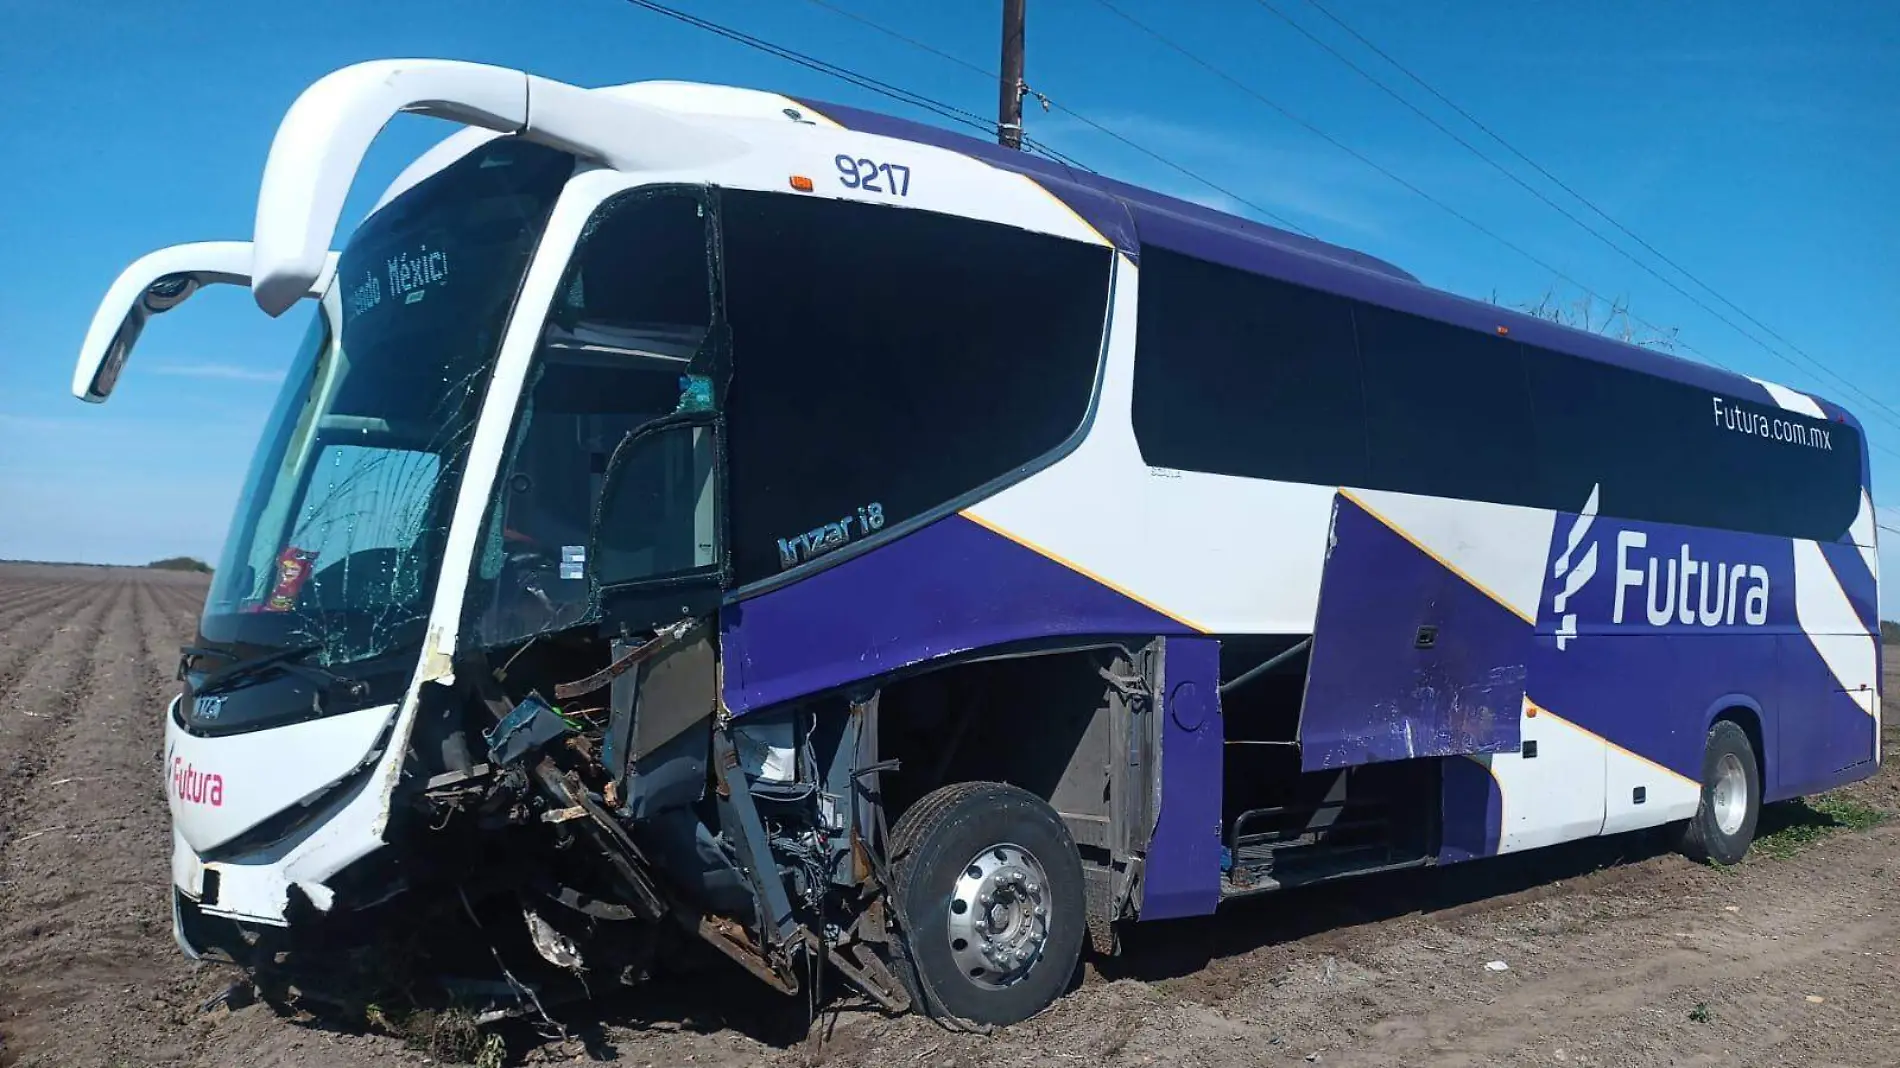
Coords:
pixel 226 371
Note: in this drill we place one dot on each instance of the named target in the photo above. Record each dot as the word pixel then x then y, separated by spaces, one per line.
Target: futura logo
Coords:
pixel 1669 588
pixel 1574 570
pixel 188 784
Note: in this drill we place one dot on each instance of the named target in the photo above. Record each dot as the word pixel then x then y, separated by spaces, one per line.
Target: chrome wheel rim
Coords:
pixel 1730 796
pixel 999 916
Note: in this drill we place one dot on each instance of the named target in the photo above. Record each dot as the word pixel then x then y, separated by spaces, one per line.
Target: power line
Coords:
pixel 1428 197
pixel 1072 113
pixel 1297 120
pixel 965 64
pixel 1561 184
pixel 972 119
pixel 1526 186
pixel 1166 162
pixel 846 74
pixel 911 41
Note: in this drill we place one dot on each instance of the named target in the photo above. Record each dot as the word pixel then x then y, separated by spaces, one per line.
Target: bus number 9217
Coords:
pixel 866 174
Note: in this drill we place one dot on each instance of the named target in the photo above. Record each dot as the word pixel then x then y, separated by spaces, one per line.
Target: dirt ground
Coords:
pixel 1615 952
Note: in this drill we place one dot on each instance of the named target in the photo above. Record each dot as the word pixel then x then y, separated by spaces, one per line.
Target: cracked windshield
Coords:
pixel 340 528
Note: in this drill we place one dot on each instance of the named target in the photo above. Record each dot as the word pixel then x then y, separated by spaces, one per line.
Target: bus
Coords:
pixel 700 515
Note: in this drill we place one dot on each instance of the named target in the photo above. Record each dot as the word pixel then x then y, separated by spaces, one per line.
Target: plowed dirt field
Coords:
pixel 1615 952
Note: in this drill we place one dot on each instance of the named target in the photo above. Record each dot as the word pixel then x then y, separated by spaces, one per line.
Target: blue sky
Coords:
pixel 1757 145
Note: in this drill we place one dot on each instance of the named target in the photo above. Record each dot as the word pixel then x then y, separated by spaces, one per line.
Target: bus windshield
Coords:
pixel 341 523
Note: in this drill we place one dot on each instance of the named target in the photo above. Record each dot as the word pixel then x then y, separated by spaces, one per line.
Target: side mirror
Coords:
pixel 156 283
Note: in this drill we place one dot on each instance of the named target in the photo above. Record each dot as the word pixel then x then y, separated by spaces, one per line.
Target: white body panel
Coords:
pixel 1102 510
pixel 1579 785
pixel 1667 796
pixel 1828 617
pixel 261 774
pixel 1555 796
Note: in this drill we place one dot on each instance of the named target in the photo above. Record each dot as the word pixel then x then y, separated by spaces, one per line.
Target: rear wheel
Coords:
pixel 990 898
pixel 1724 823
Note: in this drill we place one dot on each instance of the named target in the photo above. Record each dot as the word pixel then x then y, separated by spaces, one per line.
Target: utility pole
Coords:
pixel 1010 88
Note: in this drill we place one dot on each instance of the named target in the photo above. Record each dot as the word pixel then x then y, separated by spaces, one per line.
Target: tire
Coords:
pixel 996 962
pixel 1724 823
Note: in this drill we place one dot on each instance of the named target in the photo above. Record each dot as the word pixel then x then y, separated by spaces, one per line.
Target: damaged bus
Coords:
pixel 697 512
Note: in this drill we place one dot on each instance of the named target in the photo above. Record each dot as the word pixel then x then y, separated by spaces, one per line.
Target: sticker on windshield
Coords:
pixel 573 561
pixel 293 570
pixel 829 537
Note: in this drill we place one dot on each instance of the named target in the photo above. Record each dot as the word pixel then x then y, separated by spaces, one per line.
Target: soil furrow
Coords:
pixel 35 690
pixel 159 638
pixel 37 601
pixel 31 629
pixel 97 846
pixel 180 604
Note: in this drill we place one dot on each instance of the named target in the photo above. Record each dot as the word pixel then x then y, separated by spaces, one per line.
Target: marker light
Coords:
pixel 801 183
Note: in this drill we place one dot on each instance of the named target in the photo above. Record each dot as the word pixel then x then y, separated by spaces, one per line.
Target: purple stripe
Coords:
pixel 948 588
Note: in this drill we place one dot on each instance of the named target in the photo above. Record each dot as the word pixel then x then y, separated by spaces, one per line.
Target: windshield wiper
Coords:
pixel 189 655
pixel 287 661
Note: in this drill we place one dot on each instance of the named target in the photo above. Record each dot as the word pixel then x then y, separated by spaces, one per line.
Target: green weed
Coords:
pixel 1788 829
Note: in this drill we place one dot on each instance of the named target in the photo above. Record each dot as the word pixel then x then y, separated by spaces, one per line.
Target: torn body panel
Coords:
pixel 1410 657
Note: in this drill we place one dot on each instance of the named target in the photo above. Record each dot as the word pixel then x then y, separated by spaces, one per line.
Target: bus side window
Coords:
pixel 1236 374
pixel 1448 412
pixel 885 364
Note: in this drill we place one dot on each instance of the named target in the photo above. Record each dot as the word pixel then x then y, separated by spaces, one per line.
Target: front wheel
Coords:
pixel 1724 823
pixel 989 894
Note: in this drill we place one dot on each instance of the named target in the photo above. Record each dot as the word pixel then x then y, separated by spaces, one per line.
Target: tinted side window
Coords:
pixel 1671 453
pixel 1237 374
pixel 887 361
pixel 1447 411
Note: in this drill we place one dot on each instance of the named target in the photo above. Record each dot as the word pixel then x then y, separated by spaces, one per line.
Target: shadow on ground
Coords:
pixel 709 995
pixel 1181 947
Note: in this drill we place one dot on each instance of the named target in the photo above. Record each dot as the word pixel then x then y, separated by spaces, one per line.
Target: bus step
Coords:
pixel 1316 817
pixel 1258 869
pixel 1291 836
